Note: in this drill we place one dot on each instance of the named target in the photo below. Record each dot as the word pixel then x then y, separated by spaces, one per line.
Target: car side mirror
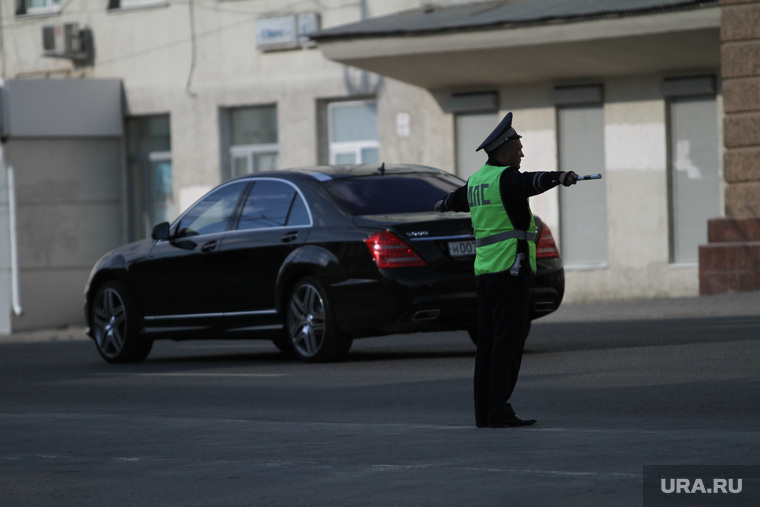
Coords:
pixel 161 231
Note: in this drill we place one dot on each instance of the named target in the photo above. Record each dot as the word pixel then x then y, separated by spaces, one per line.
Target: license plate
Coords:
pixel 461 248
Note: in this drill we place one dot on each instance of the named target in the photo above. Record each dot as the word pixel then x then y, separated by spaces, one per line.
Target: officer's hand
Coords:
pixel 568 178
pixel 439 206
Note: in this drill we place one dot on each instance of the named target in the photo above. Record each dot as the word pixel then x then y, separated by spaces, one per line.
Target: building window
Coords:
pixel 475 115
pixel 583 208
pixel 694 170
pixel 353 134
pixel 253 140
pixel 471 129
pixel 126 4
pixel 151 195
pixel 37 6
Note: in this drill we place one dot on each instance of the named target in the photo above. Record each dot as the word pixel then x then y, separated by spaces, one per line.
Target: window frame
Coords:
pixel 569 228
pixel 354 148
pixel 138 184
pixel 684 90
pixel 677 255
pixel 51 7
pixel 231 220
pixel 336 148
pixel 298 195
pixel 135 4
pixel 249 152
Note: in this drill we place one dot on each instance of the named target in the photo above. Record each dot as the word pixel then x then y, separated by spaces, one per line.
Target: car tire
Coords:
pixel 282 342
pixel 473 332
pixel 114 326
pixel 310 327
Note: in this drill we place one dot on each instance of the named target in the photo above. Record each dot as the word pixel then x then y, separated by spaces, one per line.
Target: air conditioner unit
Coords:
pixel 307 24
pixel 61 39
pixel 287 32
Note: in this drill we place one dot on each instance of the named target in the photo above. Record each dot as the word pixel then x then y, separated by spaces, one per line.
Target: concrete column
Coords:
pixel 731 259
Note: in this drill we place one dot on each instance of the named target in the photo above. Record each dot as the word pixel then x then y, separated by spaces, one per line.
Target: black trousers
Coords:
pixel 503 320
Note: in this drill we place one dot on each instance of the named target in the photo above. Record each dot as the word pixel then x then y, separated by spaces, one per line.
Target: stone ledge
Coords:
pixel 733 230
pixel 729 267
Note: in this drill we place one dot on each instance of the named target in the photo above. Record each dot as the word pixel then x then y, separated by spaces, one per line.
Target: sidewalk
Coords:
pixel 734 304
pixel 68 334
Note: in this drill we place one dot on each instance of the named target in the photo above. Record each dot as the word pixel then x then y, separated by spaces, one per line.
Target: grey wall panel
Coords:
pixel 63 108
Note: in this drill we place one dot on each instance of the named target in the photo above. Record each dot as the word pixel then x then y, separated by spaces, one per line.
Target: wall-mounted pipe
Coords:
pixel 15 292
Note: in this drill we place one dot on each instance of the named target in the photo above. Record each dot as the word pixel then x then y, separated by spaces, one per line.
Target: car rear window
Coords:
pixel 389 194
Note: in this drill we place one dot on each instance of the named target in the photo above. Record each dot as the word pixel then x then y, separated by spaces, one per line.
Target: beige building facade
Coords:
pixel 154 102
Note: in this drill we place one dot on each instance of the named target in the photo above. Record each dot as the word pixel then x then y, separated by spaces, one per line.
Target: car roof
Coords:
pixel 332 172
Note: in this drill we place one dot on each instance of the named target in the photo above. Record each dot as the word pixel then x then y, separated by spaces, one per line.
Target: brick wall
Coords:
pixel 731 259
pixel 740 68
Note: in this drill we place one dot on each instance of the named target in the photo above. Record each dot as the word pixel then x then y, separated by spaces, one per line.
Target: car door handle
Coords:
pixel 289 236
pixel 207 247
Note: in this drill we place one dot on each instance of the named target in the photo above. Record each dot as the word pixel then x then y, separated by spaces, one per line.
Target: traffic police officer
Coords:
pixel 505 259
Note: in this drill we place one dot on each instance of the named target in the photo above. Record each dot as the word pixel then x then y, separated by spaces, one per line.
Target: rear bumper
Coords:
pixel 415 303
pixel 547 288
pixel 404 301
pixel 543 301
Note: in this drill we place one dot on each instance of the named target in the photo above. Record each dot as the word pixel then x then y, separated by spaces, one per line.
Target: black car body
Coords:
pixel 310 258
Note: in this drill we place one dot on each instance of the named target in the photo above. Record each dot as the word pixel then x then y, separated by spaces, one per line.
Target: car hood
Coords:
pixel 121 257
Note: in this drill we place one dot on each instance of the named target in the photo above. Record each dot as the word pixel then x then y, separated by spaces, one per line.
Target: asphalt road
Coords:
pixel 236 423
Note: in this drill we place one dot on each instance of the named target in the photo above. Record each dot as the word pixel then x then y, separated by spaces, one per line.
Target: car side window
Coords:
pixel 273 204
pixel 212 213
pixel 299 214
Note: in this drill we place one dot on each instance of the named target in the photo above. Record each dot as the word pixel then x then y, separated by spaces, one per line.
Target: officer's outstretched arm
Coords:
pixel 455 201
pixel 568 178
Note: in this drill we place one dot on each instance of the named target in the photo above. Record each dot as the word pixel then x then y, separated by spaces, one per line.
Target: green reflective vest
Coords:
pixel 495 236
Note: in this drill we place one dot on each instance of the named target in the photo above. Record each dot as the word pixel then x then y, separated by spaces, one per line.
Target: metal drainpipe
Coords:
pixel 15 294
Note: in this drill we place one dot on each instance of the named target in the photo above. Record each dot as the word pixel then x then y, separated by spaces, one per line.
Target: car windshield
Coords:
pixel 391 193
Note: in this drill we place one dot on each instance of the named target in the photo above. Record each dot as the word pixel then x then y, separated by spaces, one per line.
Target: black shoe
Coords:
pixel 481 424
pixel 511 422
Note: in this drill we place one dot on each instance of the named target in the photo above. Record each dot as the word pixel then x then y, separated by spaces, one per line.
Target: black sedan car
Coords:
pixel 309 258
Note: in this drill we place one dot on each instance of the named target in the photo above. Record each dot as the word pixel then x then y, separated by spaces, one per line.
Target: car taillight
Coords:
pixel 390 252
pixel 546 247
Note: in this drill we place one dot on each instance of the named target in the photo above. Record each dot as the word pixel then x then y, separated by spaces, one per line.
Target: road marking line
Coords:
pixel 263 375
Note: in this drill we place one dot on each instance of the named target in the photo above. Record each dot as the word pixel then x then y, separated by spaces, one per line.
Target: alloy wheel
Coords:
pixel 110 322
pixel 307 320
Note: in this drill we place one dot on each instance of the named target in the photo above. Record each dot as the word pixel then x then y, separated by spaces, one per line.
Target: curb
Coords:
pixel 69 334
pixel 731 304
